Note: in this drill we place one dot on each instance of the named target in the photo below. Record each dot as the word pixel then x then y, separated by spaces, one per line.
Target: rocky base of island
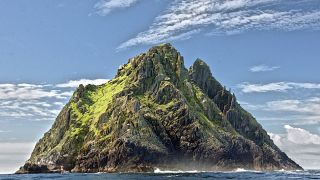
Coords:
pixel 156 114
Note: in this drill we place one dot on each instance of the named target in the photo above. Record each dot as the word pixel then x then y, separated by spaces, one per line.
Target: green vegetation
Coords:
pixel 152 108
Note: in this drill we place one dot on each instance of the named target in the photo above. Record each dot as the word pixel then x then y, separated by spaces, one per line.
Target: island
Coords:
pixel 156 113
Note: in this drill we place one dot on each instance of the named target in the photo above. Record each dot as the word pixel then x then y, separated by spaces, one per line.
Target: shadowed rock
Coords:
pixel 155 113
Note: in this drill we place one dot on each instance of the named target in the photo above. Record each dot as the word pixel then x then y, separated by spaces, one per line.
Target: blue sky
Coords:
pixel 266 51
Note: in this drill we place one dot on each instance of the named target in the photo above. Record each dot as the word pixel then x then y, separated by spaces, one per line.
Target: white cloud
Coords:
pixel 305 85
pixel 303 106
pixel 4 131
pixel 28 109
pixel 106 6
pixel 309 106
pixel 276 87
pixel 301 136
pixel 263 68
pixel 37 102
pixel 187 17
pixel 23 147
pixel 300 112
pixel 76 83
pixel 279 86
pixel 301 145
pixel 58 103
pixel 32 102
pixel 13 155
pixel 28 92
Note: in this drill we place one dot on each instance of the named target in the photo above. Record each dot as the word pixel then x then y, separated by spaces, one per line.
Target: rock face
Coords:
pixel 155 113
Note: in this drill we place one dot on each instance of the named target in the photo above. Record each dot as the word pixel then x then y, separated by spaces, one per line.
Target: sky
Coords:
pixel 266 51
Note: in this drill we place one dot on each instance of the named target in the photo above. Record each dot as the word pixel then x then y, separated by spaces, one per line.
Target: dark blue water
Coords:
pixel 312 174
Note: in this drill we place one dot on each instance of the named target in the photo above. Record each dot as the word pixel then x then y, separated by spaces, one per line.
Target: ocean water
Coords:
pixel 238 174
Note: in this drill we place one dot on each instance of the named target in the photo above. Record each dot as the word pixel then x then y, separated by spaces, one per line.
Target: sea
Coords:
pixel 158 175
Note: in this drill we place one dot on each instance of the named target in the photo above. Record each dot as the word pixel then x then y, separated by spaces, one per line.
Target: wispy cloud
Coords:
pixel 31 102
pixel 310 105
pixel 37 102
pixel 303 106
pixel 40 109
pixel 4 131
pixel 292 141
pixel 263 68
pixel 275 87
pixel 106 6
pixel 28 91
pixel 298 111
pixel 184 18
pixel 76 83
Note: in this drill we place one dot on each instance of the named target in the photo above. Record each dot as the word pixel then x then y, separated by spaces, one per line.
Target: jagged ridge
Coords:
pixel 155 113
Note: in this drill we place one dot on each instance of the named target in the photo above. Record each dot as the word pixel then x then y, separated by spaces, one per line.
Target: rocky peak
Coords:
pixel 167 61
pixel 159 63
pixel 155 113
pixel 201 74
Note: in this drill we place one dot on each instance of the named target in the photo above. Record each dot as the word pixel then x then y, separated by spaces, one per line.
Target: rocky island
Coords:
pixel 156 114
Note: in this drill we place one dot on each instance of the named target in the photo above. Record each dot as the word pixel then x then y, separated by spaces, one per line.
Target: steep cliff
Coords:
pixel 155 113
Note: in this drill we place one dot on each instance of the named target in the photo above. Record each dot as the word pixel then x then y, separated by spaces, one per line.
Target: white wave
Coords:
pixel 294 172
pixel 240 170
pixel 157 170
pixel 245 170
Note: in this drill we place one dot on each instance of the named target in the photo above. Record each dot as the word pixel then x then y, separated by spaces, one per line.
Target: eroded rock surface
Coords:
pixel 155 113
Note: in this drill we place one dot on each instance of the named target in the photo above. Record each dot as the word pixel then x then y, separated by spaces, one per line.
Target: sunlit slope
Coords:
pixel 156 113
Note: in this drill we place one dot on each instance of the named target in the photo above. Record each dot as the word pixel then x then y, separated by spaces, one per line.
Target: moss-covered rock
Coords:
pixel 155 113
